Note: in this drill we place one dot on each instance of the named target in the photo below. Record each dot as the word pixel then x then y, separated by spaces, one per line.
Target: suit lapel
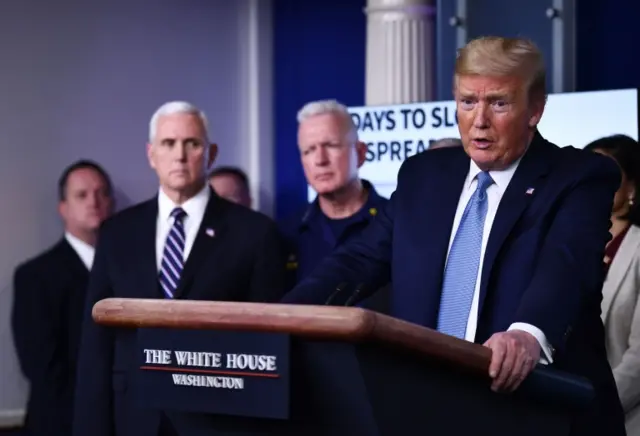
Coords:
pixel 70 259
pixel 438 228
pixel 533 166
pixel 618 268
pixel 143 252
pixel 207 239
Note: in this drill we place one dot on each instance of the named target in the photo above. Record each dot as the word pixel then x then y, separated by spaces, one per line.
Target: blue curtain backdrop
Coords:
pixel 320 53
pixel 607 34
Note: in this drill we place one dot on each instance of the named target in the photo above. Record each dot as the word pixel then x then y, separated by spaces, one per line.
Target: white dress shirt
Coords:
pixel 85 251
pixel 494 195
pixel 194 207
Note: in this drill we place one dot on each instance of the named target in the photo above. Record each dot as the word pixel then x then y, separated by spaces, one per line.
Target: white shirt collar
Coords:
pixel 194 207
pixel 500 178
pixel 85 251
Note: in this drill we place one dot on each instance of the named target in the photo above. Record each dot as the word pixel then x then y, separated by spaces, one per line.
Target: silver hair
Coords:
pixel 321 107
pixel 446 142
pixel 177 107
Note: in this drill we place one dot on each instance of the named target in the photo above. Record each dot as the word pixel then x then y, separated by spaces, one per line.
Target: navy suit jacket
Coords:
pixel 543 264
pixel 48 305
pixel 244 261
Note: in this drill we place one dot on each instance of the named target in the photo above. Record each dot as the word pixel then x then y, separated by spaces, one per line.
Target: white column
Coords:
pixel 257 132
pixel 400 51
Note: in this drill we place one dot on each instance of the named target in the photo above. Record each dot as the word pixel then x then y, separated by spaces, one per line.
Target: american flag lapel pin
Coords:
pixel 529 191
pixel 210 232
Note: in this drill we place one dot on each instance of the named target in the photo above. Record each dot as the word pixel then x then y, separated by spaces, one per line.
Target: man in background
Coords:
pixel 184 243
pixel 48 304
pixel 331 155
pixel 231 183
pixel 445 143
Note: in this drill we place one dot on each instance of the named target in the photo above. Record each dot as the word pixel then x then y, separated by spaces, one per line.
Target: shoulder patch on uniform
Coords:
pixel 292 261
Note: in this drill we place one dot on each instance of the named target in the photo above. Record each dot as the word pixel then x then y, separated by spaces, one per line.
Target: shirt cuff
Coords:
pixel 547 354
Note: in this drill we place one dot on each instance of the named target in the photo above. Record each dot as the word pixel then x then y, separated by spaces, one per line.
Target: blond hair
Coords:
pixel 500 57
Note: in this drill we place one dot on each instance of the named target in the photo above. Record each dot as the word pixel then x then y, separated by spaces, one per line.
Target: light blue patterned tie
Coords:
pixel 173 255
pixel 461 272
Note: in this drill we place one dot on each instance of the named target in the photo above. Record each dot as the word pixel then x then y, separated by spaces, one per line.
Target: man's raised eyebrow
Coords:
pixel 497 96
pixel 466 94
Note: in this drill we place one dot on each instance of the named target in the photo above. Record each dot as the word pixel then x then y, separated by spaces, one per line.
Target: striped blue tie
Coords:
pixel 461 272
pixel 173 255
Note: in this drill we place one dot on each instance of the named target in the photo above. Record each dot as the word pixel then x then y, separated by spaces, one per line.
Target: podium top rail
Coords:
pixel 349 324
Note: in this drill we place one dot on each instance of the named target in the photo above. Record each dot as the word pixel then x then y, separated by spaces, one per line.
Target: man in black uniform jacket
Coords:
pixel 186 242
pixel 49 299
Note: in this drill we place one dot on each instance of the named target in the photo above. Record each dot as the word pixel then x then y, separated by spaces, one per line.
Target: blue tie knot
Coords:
pixel 178 214
pixel 484 181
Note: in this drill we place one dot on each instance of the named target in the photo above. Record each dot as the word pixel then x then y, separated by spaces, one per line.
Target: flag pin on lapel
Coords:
pixel 529 191
pixel 210 232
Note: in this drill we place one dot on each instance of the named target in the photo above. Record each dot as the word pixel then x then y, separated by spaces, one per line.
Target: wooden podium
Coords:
pixel 355 372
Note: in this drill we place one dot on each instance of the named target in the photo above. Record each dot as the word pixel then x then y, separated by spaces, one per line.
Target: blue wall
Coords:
pixel 607 35
pixel 319 49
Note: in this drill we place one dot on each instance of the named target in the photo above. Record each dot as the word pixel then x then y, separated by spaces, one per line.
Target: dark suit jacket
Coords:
pixel 48 306
pixel 244 261
pixel 542 266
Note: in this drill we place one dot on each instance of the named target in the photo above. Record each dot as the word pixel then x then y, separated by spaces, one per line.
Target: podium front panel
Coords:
pixel 214 372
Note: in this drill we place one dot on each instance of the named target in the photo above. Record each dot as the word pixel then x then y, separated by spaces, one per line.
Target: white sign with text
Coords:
pixel 395 133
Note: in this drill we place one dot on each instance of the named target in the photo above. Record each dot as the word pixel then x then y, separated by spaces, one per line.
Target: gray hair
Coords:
pixel 446 142
pixel 322 107
pixel 177 107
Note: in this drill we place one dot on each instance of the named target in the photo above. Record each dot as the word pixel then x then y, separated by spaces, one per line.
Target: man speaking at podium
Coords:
pixel 185 243
pixel 499 242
